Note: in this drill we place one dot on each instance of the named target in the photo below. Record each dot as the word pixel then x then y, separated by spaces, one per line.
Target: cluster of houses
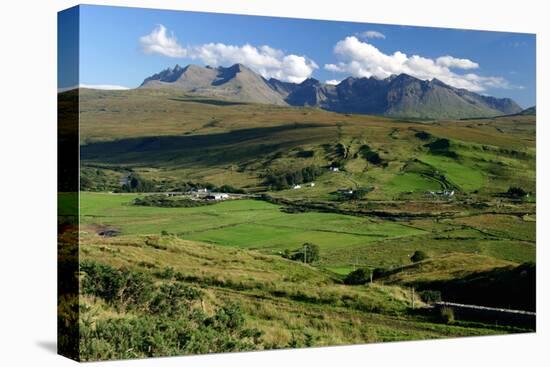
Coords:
pixel 201 193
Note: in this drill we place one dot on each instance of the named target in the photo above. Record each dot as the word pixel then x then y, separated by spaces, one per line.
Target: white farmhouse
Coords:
pixel 217 196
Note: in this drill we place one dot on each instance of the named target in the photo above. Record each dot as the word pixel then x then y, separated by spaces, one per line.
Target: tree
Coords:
pixel 357 277
pixel 419 256
pixel 360 193
pixel 309 253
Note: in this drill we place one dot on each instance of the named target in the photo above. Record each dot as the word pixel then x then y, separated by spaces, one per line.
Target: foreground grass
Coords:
pixel 291 304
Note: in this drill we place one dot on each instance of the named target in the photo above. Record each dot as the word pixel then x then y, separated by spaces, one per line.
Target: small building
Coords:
pixel 201 192
pixel 444 193
pixel 217 196
pixel 345 191
pixel 334 169
pixel 311 184
pixel 296 187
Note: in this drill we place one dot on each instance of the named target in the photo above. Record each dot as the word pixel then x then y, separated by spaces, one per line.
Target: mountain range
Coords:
pixel 397 96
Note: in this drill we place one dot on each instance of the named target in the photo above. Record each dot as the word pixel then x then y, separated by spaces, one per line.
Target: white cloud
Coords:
pixel 372 34
pixel 158 42
pixel 362 59
pixel 453 62
pixel 333 82
pixel 265 60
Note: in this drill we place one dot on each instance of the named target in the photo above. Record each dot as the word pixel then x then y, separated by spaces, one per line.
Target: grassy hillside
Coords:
pixel 217 276
pixel 169 137
pixel 282 303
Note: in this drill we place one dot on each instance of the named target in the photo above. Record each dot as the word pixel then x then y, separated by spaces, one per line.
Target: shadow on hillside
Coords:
pixel 209 149
pixel 506 287
pixel 214 102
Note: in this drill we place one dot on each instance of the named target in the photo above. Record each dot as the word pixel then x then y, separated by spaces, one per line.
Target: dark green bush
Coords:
pixel 430 296
pixel 305 154
pixel 379 273
pixel 309 253
pixel 422 135
pixel 164 201
pixel 441 146
pixel 419 255
pixel 284 180
pixel 516 192
pixel 165 321
pixel 370 155
pixel 137 183
pixel 357 277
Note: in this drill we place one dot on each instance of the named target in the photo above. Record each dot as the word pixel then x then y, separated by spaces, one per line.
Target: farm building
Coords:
pixel 345 191
pixel 217 196
pixel 445 193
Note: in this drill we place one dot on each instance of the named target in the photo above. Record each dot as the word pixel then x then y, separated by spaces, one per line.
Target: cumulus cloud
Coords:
pixel 333 82
pixel 159 42
pixel 265 60
pixel 453 62
pixel 361 59
pixel 372 34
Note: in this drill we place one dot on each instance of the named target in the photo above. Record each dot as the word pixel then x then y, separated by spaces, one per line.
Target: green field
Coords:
pixel 247 224
pixel 343 239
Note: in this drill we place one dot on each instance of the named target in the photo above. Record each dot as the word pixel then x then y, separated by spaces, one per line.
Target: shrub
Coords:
pixel 422 135
pixel 379 273
pixel 284 180
pixel 138 184
pixel 370 155
pixel 309 253
pixel 447 315
pixel 230 189
pixel 516 192
pixel 430 296
pixel 441 146
pixel 357 277
pixel 167 273
pixel 172 299
pixel 167 322
pixel 121 287
pixel 167 202
pixel 360 193
pixel 305 154
pixel 419 255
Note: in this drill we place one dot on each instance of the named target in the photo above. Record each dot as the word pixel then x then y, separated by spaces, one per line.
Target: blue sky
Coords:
pixel 122 46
